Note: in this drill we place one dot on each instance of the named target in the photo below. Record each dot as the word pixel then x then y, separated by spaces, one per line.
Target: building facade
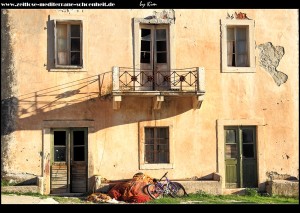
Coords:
pixel 112 93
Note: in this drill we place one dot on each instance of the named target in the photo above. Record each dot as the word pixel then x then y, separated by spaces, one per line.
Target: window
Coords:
pixel 60 146
pixel 68 44
pixel 237 43
pixel 238 46
pixel 156 145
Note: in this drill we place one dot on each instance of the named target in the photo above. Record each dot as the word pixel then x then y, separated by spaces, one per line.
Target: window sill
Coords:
pixel 68 70
pixel 157 166
pixel 239 69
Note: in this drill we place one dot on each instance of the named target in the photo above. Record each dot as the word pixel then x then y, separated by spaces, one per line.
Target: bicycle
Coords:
pixel 157 189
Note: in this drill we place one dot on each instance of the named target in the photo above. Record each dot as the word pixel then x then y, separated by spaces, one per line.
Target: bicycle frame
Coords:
pixel 165 188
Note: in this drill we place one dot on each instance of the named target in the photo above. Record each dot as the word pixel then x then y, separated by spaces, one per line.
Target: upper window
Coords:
pixel 68 44
pixel 238 46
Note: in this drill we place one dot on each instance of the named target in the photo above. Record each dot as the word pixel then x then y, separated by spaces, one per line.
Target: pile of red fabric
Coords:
pixel 133 191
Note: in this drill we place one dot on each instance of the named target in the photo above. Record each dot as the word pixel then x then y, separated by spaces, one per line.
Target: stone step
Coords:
pixel 20 189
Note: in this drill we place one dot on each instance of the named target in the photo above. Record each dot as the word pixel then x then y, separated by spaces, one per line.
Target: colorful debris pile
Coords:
pixel 133 191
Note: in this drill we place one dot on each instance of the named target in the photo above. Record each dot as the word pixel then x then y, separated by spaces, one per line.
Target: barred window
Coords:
pixel 157 145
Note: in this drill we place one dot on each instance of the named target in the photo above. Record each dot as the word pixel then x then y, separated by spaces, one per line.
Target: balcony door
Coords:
pixel 154 73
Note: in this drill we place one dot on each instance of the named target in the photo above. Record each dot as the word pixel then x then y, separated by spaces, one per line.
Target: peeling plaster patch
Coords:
pixel 166 16
pixel 269 58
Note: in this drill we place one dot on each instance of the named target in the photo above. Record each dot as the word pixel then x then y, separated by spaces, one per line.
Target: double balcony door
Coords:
pixel 154 58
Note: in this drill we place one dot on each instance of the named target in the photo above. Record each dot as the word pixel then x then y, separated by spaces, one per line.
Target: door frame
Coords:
pixel 241 161
pixel 137 24
pixel 260 145
pixel 153 66
pixel 69 152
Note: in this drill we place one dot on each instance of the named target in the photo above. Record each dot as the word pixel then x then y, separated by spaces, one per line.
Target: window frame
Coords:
pixel 251 45
pixel 68 23
pixel 156 144
pixel 138 24
pixel 84 44
pixel 142 139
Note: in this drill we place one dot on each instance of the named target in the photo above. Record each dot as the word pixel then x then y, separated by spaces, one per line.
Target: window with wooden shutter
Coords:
pixel 68 44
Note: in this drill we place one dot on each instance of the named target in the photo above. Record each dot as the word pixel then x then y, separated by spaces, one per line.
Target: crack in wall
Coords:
pixel 269 58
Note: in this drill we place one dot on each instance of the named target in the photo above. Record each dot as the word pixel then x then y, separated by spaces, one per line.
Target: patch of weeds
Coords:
pixel 264 194
pixel 70 200
pixel 251 192
pixel 201 193
pixel 7 183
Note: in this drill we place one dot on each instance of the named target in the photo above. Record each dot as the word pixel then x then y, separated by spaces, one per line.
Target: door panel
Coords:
pixel 59 166
pixel 78 161
pixel 59 178
pixel 240 157
pixel 249 157
pixel 231 158
pixel 231 174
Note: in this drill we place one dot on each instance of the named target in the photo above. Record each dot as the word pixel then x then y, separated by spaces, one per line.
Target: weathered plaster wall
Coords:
pixel 9 103
pixel 45 95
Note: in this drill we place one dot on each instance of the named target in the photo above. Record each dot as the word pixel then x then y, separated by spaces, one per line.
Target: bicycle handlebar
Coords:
pixel 163 176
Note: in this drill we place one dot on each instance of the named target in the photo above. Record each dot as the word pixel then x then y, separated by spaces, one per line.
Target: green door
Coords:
pixel 240 157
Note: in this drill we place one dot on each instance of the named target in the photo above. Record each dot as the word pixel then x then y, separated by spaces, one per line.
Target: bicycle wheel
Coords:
pixel 181 190
pixel 154 191
pixel 173 189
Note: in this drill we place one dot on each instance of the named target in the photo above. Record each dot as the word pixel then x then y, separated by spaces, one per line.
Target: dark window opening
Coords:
pixel 59 145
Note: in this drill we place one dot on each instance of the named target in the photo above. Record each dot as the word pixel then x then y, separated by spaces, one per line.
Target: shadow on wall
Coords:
pixel 85 99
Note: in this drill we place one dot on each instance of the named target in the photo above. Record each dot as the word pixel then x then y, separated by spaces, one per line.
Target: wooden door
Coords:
pixel 69 161
pixel 154 71
pixel 59 161
pixel 249 161
pixel 232 158
pixel 240 157
pixel 78 160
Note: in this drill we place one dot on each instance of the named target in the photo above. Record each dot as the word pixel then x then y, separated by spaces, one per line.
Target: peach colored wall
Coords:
pixel 114 151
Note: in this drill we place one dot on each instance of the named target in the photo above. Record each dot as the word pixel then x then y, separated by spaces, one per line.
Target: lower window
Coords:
pixel 157 145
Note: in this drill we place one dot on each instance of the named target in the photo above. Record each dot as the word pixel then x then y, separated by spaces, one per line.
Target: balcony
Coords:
pixel 158 84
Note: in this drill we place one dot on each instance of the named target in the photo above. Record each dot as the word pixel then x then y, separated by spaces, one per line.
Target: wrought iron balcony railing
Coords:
pixel 177 80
